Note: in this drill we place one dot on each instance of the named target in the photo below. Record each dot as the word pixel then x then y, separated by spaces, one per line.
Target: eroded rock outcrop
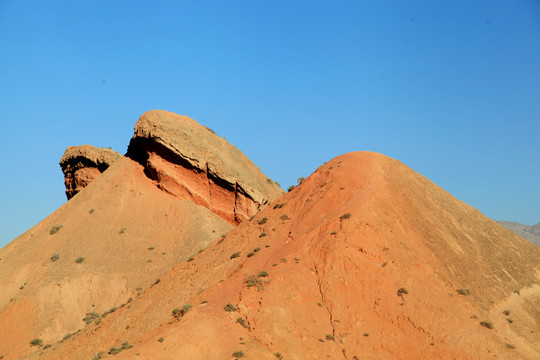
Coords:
pixel 81 165
pixel 191 162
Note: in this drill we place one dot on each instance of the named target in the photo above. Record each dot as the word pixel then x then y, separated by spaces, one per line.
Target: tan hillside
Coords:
pixel 129 234
pixel 366 259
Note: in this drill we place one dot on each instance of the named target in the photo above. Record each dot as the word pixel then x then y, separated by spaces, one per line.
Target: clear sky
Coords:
pixel 450 88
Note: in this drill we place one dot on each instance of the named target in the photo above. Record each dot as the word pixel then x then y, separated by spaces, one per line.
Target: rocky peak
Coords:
pixel 191 162
pixel 81 165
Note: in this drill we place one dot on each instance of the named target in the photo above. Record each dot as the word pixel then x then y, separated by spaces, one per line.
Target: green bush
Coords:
pixel 90 317
pixel 235 255
pixel 36 342
pixel 402 291
pixel 55 229
pixel 238 354
pixel 345 216
pixel 230 308
pixel 242 322
pixel 486 324
pixel 263 221
pixel 55 257
pixel 79 260
pixel 464 291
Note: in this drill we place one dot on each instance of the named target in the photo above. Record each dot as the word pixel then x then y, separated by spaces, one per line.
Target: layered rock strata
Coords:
pixel 82 164
pixel 191 162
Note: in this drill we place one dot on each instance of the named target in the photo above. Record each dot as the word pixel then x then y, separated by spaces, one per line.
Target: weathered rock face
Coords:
pixel 189 161
pixel 81 165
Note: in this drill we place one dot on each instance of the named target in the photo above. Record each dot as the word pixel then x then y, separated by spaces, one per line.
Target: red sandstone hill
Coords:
pixel 365 259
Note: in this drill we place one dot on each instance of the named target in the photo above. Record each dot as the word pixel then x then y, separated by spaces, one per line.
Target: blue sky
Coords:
pixel 450 88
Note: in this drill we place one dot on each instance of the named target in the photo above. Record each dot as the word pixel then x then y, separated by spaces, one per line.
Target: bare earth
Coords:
pixel 365 259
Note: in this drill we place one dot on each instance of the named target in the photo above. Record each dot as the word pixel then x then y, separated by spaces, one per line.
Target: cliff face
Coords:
pixel 82 164
pixel 190 162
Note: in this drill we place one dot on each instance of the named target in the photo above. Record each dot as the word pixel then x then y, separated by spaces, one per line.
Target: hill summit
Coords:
pixel 365 259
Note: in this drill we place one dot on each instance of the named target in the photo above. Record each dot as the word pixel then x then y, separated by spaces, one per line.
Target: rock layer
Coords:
pixel 191 162
pixel 81 165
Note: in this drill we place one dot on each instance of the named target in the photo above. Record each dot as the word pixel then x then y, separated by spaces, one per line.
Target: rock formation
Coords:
pixel 365 259
pixel 191 162
pixel 81 165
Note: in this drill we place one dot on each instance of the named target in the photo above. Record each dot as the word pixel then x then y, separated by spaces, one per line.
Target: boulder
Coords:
pixel 190 161
pixel 81 165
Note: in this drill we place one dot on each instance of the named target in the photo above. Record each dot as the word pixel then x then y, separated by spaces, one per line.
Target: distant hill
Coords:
pixel 531 233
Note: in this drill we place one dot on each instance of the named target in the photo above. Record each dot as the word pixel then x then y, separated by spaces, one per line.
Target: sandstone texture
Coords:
pixel 191 162
pixel 531 233
pixel 82 164
pixel 365 259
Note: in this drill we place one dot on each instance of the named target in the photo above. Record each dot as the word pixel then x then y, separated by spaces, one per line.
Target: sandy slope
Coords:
pixel 333 284
pixel 129 234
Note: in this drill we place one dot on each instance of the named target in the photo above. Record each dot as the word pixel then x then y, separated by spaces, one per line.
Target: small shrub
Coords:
pixel 235 255
pixel 464 291
pixel 333 233
pixel 191 258
pixel 122 230
pixel 279 206
pixel 330 337
pixel 79 260
pixel 506 312
pixel 278 355
pixel 402 291
pixel 284 217
pixel 126 346
pixel 242 322
pixel 516 291
pixel 55 229
pixel 36 342
pixel 230 308
pixel 91 211
pixel 238 354
pixel 55 257
pixel 267 245
pixel 263 234
pixel 179 313
pixel 67 336
pixel 262 274
pixel 114 351
pixel 263 221
pixel 486 324
pixel 209 129
pixel 510 346
pixel 253 280
pixel 157 281
pixel 290 188
pixel 250 254
pixel 161 340
pixel 345 216
pixel 151 248
pixel 98 356
pixel 510 320
pixel 366 334
pixel 111 310
pixel 256 249
pixel 90 317
pixel 300 180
